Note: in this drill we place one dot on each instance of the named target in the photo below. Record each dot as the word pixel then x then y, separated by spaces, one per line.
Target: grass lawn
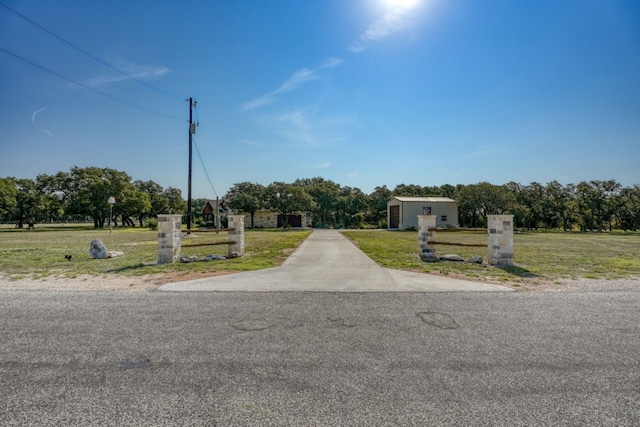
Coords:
pixel 41 253
pixel 539 256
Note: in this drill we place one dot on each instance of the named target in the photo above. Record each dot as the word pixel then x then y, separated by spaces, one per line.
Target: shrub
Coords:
pixel 152 224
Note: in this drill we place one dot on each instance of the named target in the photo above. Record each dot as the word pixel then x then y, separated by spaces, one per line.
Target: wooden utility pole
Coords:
pixel 192 130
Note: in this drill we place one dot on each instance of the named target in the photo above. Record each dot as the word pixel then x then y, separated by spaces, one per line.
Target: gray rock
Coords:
pixel 476 259
pixel 114 254
pixel 429 257
pixel 97 249
pixel 214 257
pixel 234 254
pixel 451 257
pixel 188 258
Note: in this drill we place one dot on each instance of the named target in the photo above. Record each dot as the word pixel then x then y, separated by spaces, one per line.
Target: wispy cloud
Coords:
pixel 33 120
pixel 396 19
pixel 318 165
pixel 141 72
pixel 482 151
pixel 307 129
pixel 298 79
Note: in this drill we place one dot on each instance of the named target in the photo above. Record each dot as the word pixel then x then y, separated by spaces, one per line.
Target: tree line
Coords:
pixel 82 194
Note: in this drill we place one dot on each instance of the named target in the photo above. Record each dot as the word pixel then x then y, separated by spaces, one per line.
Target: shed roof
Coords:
pixel 424 199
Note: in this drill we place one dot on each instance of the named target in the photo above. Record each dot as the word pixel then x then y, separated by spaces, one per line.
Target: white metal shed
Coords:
pixel 402 212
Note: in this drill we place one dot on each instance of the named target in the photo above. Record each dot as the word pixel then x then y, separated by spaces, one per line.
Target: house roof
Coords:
pixel 210 206
pixel 424 199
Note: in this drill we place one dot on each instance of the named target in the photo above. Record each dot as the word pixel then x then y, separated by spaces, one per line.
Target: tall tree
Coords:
pixel 247 197
pixel 8 194
pixel 176 204
pixel 560 202
pixel 478 201
pixel 378 204
pixel 325 196
pixel 288 199
pixel 90 188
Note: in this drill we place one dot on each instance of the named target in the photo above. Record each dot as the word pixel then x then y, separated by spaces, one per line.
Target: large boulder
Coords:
pixel 97 249
pixel 429 257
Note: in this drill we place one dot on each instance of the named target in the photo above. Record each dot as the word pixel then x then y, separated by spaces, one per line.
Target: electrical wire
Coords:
pixel 89 54
pixel 85 86
pixel 205 169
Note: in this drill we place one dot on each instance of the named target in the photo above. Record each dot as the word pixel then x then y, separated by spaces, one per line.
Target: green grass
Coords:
pixel 41 253
pixel 538 256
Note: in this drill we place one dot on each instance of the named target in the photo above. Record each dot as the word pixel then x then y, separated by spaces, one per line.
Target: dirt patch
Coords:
pixel 103 283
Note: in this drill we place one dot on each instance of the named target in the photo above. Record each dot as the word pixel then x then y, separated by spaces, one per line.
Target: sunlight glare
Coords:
pixel 402 4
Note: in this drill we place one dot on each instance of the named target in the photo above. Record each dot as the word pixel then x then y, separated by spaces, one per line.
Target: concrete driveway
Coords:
pixel 327 262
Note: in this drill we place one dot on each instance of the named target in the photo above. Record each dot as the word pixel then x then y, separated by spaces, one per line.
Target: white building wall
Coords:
pixel 446 212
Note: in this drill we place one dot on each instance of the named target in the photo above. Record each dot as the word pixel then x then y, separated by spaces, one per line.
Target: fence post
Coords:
pixel 237 236
pixel 169 238
pixel 426 234
pixel 500 240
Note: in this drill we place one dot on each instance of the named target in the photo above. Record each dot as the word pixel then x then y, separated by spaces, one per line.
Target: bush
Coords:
pixel 152 224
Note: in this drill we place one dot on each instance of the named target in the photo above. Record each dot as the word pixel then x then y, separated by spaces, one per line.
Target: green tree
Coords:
pixel 560 202
pixel 8 194
pixel 89 189
pixel 157 200
pixel 325 196
pixel 377 204
pixel 476 202
pixel 53 203
pixel 247 197
pixel 288 199
pixel 350 202
pixel 628 208
pixel 175 203
pixel 25 203
pixel 410 190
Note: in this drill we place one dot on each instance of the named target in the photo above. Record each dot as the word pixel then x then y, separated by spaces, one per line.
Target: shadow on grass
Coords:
pixel 130 268
pixel 517 271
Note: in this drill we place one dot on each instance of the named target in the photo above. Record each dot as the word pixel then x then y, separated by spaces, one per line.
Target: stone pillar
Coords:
pixel 169 238
pixel 236 249
pixel 500 240
pixel 426 237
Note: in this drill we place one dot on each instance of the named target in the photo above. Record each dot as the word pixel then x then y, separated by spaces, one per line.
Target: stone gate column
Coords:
pixel 500 239
pixel 169 238
pixel 426 237
pixel 237 236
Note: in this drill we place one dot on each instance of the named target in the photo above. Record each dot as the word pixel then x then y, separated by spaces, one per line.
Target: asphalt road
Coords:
pixel 163 358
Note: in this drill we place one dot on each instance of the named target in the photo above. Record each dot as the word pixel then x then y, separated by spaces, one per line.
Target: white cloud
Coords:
pixel 294 82
pixel 33 120
pixel 396 19
pixel 305 128
pixel 318 165
pixel 135 71
pixel 482 151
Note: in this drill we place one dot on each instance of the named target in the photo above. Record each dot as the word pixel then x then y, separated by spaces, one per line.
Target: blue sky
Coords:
pixel 362 92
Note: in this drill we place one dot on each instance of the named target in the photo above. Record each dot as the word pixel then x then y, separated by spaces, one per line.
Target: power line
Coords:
pixel 89 54
pixel 85 86
pixel 205 169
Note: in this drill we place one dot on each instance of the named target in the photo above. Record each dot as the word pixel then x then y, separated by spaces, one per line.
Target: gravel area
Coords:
pixel 148 283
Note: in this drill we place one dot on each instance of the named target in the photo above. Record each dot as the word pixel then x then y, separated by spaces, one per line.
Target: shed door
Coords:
pixel 394 216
